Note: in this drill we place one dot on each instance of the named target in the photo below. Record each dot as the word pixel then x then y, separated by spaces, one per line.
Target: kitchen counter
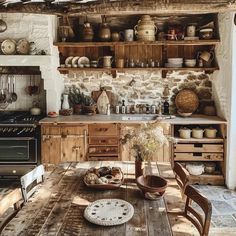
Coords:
pixel 132 119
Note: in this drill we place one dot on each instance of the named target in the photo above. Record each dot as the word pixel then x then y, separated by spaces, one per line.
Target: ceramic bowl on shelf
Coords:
pixel 195 168
pixel 190 62
pixel 206 33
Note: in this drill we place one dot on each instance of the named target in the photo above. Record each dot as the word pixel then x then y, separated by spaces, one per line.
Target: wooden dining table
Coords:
pixel 58 205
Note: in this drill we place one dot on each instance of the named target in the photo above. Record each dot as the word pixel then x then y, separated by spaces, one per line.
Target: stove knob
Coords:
pixel 4 130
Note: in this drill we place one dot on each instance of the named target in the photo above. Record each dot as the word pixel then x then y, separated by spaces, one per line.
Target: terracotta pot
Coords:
pixel 77 109
pixel 139 166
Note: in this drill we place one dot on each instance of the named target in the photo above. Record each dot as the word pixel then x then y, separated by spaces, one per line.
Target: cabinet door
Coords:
pixel 73 148
pixel 51 149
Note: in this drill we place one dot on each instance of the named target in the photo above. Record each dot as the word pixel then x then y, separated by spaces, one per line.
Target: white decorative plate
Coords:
pixel 83 61
pixel 8 47
pixel 74 61
pixel 108 212
pixel 68 61
pixel 23 47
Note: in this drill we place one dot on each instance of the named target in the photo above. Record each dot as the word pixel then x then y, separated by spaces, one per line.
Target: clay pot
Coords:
pixel 88 32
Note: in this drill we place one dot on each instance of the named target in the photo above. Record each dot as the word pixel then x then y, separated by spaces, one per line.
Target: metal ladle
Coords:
pixel 14 95
pixel 2 94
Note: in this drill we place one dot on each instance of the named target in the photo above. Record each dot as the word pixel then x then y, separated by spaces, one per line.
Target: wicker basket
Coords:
pixel 187 101
pixel 91 110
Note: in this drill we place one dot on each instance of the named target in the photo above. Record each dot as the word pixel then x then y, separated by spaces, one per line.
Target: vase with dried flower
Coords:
pixel 144 141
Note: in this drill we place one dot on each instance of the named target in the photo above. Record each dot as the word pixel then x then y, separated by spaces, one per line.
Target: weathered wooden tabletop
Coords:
pixel 58 205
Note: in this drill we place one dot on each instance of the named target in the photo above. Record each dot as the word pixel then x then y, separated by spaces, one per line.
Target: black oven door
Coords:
pixel 22 150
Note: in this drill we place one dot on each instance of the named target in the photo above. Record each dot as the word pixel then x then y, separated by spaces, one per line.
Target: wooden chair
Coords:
pixel 30 180
pixel 181 176
pixel 201 223
pixel 14 198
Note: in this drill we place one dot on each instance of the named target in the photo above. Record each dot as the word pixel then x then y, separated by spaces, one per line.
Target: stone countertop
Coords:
pixel 131 119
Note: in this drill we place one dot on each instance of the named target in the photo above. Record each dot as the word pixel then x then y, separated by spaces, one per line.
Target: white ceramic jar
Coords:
pixel 210 132
pixel 197 133
pixel 185 133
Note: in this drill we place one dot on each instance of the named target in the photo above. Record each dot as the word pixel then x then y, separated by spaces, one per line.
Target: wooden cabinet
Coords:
pixel 62 144
pixel 103 142
pixel 202 150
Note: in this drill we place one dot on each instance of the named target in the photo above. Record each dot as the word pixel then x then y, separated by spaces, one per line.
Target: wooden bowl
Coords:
pixel 152 184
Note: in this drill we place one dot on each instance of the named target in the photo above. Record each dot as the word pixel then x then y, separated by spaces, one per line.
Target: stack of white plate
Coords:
pixel 174 62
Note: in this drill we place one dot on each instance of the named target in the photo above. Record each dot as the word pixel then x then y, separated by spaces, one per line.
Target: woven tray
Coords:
pixel 187 101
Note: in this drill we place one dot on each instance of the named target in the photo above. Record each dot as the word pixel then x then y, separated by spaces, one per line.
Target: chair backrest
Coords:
pixel 181 175
pixel 33 177
pixel 200 220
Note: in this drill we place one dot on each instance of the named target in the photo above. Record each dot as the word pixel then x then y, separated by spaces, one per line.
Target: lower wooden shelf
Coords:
pixel 214 179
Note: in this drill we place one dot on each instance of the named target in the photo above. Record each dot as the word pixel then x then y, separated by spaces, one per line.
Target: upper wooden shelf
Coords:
pixel 134 43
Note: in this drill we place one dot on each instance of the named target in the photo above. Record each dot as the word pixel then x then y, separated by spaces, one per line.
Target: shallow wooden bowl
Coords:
pixel 152 184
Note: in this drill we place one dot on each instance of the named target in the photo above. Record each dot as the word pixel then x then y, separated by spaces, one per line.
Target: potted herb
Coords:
pixel 76 99
pixel 144 141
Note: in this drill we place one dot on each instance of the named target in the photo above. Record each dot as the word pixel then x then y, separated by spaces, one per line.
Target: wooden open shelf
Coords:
pixel 202 140
pixel 66 70
pixel 197 159
pixel 137 43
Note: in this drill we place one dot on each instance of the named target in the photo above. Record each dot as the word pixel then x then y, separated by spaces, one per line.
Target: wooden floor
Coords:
pixel 57 207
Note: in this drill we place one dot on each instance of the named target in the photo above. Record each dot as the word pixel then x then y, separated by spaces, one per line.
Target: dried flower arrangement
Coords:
pixel 145 139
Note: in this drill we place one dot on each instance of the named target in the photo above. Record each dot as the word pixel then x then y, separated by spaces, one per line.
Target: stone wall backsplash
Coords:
pixel 142 87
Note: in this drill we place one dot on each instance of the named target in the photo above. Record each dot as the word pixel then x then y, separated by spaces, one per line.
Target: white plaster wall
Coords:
pixel 224 87
pixel 40 29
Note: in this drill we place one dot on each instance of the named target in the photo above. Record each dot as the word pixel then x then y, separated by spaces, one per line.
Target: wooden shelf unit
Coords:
pixel 201 150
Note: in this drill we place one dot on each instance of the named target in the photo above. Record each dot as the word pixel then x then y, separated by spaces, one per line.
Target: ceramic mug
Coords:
pixel 206 56
pixel 129 35
pixel 107 61
pixel 120 63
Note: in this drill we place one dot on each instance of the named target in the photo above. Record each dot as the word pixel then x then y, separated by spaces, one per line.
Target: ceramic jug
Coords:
pixel 88 32
pixel 107 61
pixel 104 33
pixel 65 104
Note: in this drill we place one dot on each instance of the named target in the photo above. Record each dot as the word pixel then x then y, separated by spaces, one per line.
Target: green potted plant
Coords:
pixel 144 141
pixel 76 99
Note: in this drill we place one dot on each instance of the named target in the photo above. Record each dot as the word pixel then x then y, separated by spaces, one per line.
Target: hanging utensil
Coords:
pixel 14 95
pixel 2 94
pixel 8 97
pixel 3 26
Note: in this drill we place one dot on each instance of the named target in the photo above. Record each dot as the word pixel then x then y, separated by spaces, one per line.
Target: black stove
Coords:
pixel 19 141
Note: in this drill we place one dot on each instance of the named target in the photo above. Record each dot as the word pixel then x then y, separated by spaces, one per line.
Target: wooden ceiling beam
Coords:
pixel 124 7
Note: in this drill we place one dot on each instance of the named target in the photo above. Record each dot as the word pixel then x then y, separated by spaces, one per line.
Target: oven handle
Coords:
pixel 19 138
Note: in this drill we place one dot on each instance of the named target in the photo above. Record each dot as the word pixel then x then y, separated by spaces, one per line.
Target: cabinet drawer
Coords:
pixel 100 151
pixel 103 158
pixel 103 140
pixel 198 156
pixel 51 130
pixel 103 130
pixel 74 130
pixel 198 147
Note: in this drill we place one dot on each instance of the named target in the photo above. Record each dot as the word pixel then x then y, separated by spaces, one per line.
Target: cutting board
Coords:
pixel 102 103
pixel 96 94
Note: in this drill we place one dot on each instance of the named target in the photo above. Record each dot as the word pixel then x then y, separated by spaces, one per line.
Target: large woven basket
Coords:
pixel 187 101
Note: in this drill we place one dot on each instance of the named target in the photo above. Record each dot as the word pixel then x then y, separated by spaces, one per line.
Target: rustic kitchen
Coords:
pixel 113 113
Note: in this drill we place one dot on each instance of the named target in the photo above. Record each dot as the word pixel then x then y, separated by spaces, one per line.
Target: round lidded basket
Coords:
pixel 187 101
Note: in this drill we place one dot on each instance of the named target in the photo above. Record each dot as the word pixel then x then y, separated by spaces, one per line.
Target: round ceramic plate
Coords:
pixel 74 61
pixel 83 61
pixel 68 61
pixel 8 47
pixel 108 212
pixel 23 47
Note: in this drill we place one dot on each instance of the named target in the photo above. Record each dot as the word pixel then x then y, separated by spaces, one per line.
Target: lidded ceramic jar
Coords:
pixel 197 133
pixel 185 133
pixel 145 30
pixel 88 32
pixel 210 132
